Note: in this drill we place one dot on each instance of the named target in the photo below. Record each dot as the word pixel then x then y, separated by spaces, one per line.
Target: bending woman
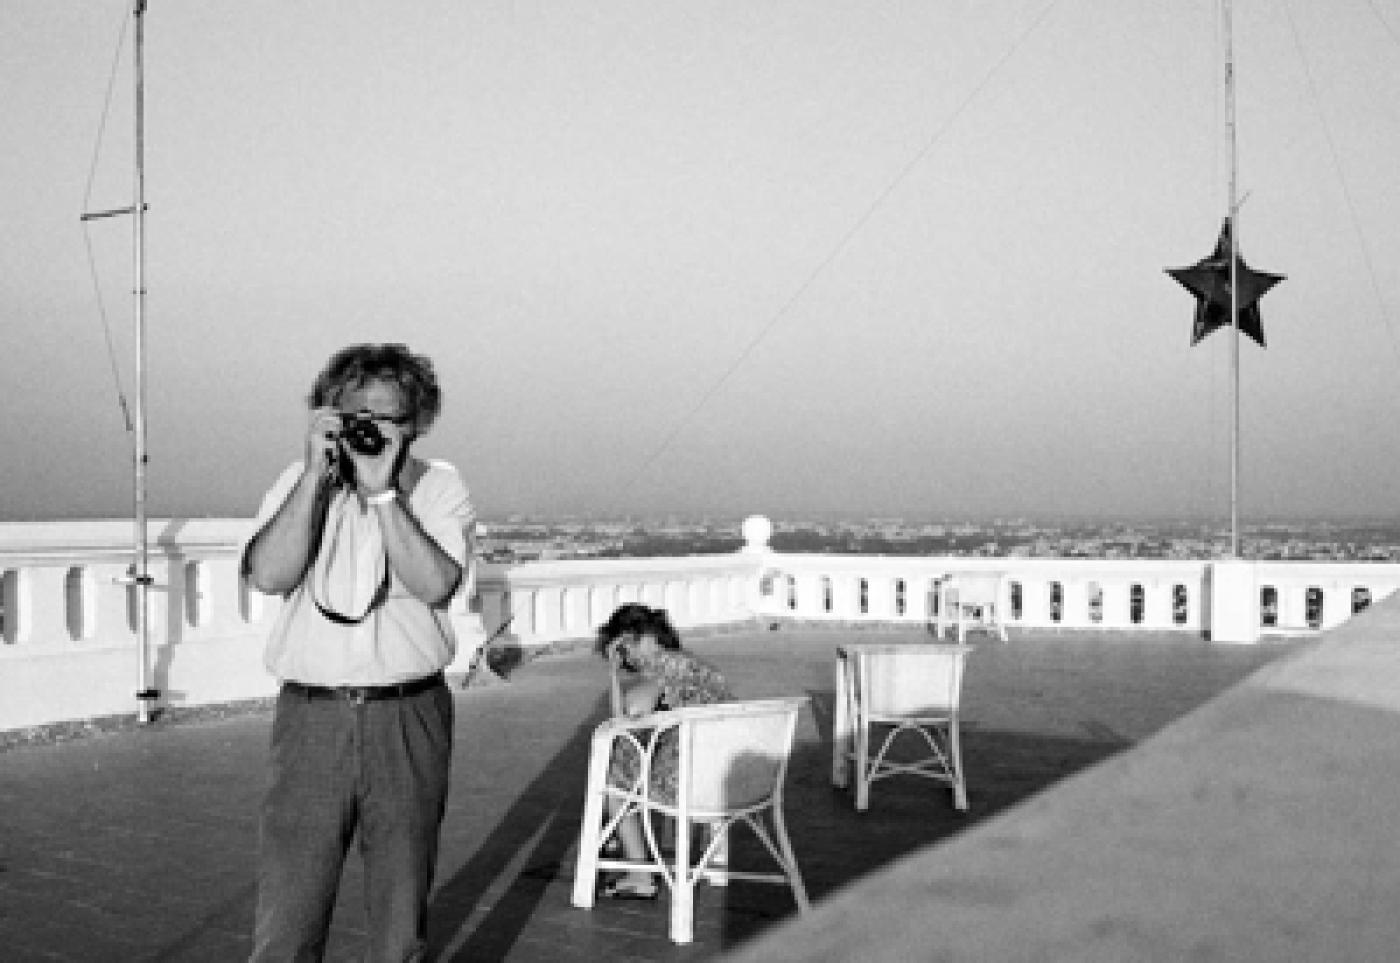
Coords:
pixel 650 673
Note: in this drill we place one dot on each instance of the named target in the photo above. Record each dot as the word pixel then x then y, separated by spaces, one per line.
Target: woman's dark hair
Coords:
pixel 355 366
pixel 633 618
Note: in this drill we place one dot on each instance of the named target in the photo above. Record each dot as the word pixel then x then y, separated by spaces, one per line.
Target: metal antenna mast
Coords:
pixel 140 577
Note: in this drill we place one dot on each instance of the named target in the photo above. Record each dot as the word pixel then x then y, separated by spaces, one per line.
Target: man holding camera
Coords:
pixel 367 544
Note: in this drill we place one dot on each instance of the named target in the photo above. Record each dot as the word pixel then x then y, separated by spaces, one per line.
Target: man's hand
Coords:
pixel 322 441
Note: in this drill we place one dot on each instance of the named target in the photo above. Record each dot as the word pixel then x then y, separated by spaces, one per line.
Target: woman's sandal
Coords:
pixel 622 888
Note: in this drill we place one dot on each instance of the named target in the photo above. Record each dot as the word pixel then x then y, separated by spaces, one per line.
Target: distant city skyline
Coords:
pixel 523 540
pixel 807 256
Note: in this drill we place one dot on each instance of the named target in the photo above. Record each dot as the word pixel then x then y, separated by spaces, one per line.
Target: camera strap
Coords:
pixel 339 618
pixel 351 571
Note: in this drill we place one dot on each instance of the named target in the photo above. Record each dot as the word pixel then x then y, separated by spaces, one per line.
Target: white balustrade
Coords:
pixel 817 578
pixel 540 602
pixel 68 646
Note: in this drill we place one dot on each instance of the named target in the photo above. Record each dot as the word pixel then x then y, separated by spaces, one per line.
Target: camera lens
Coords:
pixel 362 435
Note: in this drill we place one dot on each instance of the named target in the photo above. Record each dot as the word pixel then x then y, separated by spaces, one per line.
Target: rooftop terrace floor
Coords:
pixel 140 843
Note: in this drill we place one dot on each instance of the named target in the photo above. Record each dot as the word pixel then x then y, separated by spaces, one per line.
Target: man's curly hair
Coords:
pixel 354 366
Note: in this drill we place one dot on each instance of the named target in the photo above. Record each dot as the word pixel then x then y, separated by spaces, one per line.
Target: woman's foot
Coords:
pixel 628 886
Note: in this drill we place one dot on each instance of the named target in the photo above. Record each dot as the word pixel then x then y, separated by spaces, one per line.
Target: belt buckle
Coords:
pixel 355 695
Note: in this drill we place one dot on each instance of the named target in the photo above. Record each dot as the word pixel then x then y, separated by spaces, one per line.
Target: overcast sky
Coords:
pixel 728 257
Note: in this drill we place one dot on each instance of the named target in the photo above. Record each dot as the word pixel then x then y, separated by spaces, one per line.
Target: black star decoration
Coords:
pixel 1209 281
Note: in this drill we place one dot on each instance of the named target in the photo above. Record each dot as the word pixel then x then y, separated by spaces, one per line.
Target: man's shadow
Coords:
pixel 535 834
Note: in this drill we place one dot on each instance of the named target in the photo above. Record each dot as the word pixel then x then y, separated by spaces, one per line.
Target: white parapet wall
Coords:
pixel 542 602
pixel 68 645
pixel 68 638
pixel 68 620
pixel 1120 595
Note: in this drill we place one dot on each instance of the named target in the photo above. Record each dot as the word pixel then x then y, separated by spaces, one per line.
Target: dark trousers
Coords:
pixel 379 768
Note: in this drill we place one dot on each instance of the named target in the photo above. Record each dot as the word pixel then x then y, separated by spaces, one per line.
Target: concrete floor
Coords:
pixel 139 843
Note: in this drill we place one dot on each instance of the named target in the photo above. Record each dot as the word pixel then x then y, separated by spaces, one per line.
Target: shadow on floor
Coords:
pixel 527 861
pixel 535 835
pixel 836 845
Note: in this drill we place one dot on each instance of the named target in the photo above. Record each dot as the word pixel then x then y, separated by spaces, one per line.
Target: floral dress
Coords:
pixel 684 680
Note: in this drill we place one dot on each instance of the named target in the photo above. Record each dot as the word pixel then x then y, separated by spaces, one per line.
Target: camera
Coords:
pixel 361 434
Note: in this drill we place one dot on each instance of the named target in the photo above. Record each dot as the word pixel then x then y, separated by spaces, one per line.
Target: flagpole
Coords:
pixel 1234 288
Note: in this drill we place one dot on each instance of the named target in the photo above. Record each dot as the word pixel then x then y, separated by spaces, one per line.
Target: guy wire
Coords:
pixel 836 250
pixel 87 235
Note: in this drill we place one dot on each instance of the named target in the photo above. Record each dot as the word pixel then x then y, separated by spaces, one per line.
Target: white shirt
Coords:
pixel 399 640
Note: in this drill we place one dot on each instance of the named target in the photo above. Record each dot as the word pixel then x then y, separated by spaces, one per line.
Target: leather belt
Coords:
pixel 358 694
